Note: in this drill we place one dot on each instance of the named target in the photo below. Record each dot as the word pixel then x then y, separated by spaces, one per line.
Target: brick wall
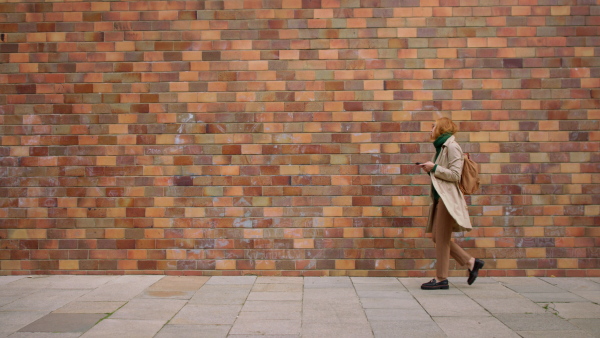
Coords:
pixel 278 136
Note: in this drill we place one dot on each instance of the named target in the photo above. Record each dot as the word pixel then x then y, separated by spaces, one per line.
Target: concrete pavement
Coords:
pixel 250 306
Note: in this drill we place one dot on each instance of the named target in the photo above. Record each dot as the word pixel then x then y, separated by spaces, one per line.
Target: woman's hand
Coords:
pixel 427 166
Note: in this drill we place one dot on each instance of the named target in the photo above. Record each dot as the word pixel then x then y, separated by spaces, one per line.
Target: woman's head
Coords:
pixel 443 126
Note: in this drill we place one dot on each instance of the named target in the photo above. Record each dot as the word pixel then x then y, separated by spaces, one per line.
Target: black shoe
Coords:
pixel 435 285
pixel 473 273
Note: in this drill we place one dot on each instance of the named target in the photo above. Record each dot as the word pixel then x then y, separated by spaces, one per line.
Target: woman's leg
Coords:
pixel 460 255
pixel 441 238
pixel 445 247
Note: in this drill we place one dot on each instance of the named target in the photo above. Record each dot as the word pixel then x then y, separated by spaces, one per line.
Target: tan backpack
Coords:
pixel 469 180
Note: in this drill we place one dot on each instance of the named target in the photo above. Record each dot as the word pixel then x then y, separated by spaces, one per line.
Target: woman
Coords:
pixel 448 212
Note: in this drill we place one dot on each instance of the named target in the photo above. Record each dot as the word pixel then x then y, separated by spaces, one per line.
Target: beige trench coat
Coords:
pixel 445 180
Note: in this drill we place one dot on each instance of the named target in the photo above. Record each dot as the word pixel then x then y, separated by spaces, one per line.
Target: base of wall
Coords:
pixel 316 273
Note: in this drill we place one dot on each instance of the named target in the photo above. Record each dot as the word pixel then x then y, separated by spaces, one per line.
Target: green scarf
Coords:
pixel 438 143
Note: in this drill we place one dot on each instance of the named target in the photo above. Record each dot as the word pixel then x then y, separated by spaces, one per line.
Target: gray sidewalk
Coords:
pixel 165 306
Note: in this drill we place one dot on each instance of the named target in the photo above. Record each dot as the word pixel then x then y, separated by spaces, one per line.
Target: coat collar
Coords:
pixel 448 141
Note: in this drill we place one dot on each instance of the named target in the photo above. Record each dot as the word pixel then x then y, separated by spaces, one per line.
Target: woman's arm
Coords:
pixel 455 164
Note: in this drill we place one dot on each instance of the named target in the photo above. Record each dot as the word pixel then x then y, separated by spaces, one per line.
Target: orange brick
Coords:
pixel 385 264
pixel 265 265
pixel 253 233
pixel 345 264
pixel 567 263
pixel 228 264
pixel 447 53
pixel 353 232
pixel 407 53
pixel 328 54
pixel 137 254
pixel 304 243
pixel 68 264
pixel 127 265
pixel 407 32
pixel 176 254
pixel 292 233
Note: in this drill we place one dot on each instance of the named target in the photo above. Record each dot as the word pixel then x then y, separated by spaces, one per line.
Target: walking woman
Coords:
pixel 448 212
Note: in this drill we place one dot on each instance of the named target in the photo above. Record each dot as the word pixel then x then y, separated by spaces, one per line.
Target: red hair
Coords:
pixel 444 125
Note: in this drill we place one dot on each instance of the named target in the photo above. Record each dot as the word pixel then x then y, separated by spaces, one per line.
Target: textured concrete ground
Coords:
pixel 165 306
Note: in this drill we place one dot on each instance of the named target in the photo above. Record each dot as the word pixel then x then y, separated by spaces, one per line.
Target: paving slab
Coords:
pixel 392 315
pixel 124 328
pixel 555 334
pixel 380 287
pixel 278 287
pixel 149 309
pixel 233 294
pixel 228 280
pixel 553 297
pixel 591 296
pixel 332 306
pixel 279 280
pixel 528 285
pixel 207 314
pixel 37 282
pixel 66 281
pixel 263 336
pixel 510 305
pixel 122 288
pixel 390 303
pixel 592 326
pixel 266 326
pixel 519 280
pixel 8 299
pixel 374 280
pixel 327 282
pixel 451 306
pixel 13 321
pixel 462 281
pixel 9 279
pixel 80 282
pixel 495 291
pixel 535 322
pixel 64 322
pixel 90 307
pixel 338 295
pixel 576 310
pixel 204 331
pixel 45 335
pixel 407 329
pixel 346 330
pixel 225 288
pixel 275 296
pixel 272 306
pixel 15 290
pixel 159 294
pixel 179 283
pixel 263 315
pixel 573 284
pixel 384 294
pixel 44 300
pixel 475 327
pixel 333 316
